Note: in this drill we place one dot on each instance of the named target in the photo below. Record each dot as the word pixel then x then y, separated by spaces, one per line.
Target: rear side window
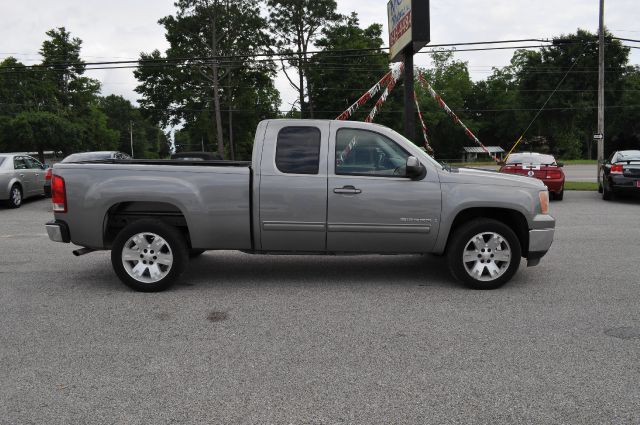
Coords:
pixel 298 150
pixel 2 159
pixel 19 164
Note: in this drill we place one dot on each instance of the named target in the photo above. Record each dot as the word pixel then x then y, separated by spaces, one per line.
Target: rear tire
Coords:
pixel 559 196
pixel 149 255
pixel 15 196
pixel 607 194
pixel 484 254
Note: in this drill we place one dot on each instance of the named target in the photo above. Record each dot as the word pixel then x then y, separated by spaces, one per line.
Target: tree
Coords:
pixel 149 141
pixel 450 79
pixel 337 81
pixel 296 24
pixel 180 92
pixel 61 57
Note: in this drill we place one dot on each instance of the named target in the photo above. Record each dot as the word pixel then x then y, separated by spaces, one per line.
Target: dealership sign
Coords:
pixel 408 26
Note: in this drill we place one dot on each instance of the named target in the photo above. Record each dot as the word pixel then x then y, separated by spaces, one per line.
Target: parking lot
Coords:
pixel 286 339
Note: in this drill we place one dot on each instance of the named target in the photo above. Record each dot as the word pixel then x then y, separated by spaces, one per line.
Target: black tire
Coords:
pixel 13 201
pixel 462 238
pixel 174 244
pixel 607 194
pixel 600 188
pixel 559 196
pixel 193 253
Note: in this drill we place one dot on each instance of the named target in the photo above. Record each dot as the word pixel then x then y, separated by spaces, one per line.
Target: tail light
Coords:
pixel 48 174
pixel 58 194
pixel 616 169
pixel 554 174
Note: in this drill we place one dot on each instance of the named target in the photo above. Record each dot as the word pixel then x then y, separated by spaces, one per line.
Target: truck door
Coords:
pixel 372 206
pixel 293 187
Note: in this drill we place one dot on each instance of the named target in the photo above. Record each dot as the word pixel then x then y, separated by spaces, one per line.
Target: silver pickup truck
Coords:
pixel 312 187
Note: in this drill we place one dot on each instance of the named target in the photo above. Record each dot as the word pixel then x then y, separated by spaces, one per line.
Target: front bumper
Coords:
pixel 58 231
pixel 540 238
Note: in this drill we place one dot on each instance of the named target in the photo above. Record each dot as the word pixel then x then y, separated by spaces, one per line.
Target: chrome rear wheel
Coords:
pixel 147 257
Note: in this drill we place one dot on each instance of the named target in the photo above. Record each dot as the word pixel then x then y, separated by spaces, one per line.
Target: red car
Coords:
pixel 539 166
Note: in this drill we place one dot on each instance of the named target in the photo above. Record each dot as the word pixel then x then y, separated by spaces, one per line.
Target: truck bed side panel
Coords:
pixel 214 200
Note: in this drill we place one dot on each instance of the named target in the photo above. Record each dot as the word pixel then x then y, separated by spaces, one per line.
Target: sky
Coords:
pixel 121 29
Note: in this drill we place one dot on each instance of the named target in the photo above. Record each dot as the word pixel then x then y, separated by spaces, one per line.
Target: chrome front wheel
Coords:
pixel 486 256
pixel 484 253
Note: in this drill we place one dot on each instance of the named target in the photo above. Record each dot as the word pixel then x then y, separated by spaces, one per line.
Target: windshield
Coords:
pixel 2 158
pixel 622 156
pixel 531 158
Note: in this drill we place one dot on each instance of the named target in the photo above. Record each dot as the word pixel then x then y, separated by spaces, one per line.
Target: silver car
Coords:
pixel 21 177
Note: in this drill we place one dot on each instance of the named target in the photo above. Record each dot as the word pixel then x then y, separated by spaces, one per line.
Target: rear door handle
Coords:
pixel 349 190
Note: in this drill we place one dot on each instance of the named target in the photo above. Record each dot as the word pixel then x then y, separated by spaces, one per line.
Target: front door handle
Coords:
pixel 349 190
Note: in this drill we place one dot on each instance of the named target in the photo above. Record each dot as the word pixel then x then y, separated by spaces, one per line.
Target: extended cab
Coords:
pixel 312 187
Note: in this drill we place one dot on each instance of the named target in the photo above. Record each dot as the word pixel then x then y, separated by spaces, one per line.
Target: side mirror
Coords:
pixel 414 169
pixel 560 164
pixel 45 166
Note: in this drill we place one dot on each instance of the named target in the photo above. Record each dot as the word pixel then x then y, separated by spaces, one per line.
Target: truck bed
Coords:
pixel 213 198
pixel 178 162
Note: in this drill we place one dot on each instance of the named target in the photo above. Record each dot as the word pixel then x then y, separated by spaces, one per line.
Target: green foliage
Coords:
pixel 183 95
pixel 450 79
pixel 296 25
pixel 54 107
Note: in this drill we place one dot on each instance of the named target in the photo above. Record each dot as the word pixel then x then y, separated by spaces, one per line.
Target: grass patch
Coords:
pixel 580 186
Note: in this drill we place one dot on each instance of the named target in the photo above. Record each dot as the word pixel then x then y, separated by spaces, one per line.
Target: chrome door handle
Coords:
pixel 349 190
pixel 21 175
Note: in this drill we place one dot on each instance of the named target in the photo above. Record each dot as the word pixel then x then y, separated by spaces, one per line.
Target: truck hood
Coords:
pixel 487 177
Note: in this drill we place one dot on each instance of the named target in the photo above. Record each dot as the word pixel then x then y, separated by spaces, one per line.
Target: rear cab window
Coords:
pixel 298 150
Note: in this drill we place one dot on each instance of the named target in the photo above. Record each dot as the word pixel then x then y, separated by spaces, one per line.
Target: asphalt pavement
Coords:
pixel 303 339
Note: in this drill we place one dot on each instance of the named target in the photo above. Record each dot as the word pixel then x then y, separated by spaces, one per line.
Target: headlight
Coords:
pixel 544 201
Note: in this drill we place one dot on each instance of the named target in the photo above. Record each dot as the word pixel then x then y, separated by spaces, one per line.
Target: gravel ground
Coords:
pixel 255 339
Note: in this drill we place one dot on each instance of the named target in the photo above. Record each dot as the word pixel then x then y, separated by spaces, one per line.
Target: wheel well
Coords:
pixel 514 219
pixel 125 213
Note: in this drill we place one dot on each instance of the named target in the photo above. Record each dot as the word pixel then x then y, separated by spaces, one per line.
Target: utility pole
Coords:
pixel 409 103
pixel 131 136
pixel 601 88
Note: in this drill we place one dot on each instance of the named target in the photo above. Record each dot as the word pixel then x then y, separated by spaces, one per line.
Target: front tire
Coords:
pixel 149 255
pixel 15 196
pixel 484 254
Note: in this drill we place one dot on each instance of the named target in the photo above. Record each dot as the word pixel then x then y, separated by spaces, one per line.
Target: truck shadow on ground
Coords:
pixel 230 269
